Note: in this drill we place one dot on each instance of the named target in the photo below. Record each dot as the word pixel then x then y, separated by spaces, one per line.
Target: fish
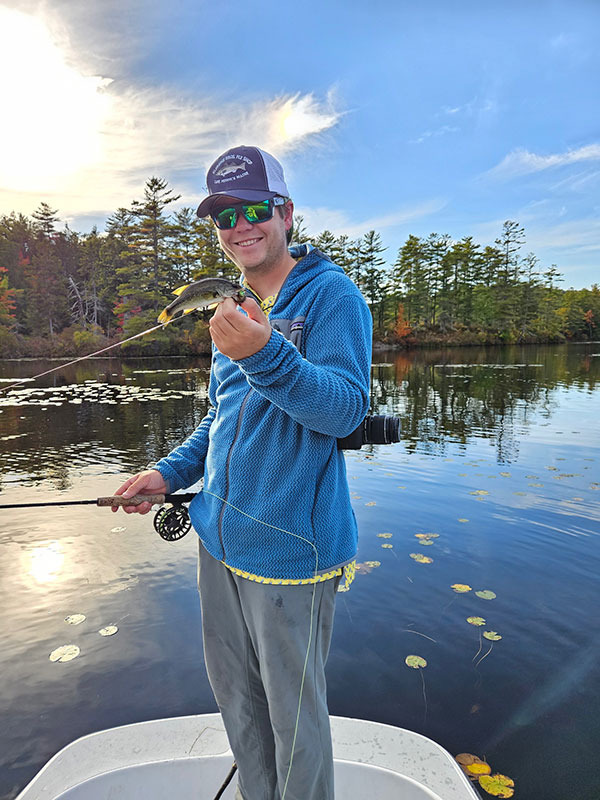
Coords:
pixel 228 168
pixel 205 293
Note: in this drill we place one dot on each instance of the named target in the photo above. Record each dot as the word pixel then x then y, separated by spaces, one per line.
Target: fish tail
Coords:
pixel 164 316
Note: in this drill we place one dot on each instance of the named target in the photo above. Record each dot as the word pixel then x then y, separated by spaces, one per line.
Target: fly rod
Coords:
pixel 171 523
pixel 202 294
pixel 83 358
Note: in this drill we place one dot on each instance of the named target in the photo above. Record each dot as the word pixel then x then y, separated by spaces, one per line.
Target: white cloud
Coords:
pixel 438 132
pixel 522 162
pixel 320 219
pixel 102 139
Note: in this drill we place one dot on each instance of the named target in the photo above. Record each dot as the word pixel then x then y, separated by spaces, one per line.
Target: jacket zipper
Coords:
pixel 237 432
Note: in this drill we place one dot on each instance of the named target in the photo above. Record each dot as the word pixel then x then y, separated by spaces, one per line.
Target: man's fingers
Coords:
pixel 253 310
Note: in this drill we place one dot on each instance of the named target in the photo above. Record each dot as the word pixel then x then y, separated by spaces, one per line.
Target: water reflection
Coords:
pixel 528 533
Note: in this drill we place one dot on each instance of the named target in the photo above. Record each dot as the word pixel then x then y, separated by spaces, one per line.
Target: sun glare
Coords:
pixel 52 114
pixel 46 562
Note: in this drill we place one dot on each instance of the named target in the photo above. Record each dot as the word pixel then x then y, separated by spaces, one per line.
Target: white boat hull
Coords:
pixel 188 758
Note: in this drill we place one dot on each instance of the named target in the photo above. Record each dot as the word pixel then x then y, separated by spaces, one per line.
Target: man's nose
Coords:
pixel 242 223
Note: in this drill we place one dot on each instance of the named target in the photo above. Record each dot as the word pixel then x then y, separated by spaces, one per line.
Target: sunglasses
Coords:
pixel 227 218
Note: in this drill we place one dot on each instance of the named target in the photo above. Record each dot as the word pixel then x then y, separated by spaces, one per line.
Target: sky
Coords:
pixel 399 116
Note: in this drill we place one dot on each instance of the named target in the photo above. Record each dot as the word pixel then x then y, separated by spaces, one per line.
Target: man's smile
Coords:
pixel 247 242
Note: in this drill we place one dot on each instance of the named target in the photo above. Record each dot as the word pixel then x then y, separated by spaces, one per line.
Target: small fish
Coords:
pixel 228 168
pixel 201 294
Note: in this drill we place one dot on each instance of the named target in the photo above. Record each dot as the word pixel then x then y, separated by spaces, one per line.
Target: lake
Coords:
pixel 494 488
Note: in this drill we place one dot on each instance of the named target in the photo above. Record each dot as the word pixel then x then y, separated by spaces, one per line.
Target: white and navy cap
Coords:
pixel 246 173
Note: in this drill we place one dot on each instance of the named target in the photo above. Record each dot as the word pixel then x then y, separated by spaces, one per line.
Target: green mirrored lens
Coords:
pixel 226 218
pixel 253 212
pixel 257 212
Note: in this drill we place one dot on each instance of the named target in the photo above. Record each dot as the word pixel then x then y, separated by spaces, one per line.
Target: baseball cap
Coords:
pixel 246 173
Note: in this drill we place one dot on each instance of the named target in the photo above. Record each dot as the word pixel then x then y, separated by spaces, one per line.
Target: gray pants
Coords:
pixel 256 638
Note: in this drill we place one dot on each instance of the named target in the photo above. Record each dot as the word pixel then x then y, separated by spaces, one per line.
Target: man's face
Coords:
pixel 259 245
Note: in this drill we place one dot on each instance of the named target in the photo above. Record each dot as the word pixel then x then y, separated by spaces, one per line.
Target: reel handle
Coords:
pixel 118 500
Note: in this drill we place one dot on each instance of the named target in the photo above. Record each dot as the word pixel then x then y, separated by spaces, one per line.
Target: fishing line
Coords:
pixel 310 632
pixel 89 355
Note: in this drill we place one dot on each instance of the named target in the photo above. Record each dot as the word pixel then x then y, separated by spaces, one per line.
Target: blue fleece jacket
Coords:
pixel 267 445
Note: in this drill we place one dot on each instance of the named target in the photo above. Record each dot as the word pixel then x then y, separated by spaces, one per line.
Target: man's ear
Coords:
pixel 288 216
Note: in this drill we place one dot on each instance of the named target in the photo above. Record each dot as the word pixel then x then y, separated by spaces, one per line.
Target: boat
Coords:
pixel 185 758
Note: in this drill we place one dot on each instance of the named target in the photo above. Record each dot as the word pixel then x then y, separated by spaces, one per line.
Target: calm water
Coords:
pixel 499 457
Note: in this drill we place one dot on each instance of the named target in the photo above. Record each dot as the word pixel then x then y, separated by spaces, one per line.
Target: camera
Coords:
pixel 378 429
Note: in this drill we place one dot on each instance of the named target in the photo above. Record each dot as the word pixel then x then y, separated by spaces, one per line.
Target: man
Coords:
pixel 276 528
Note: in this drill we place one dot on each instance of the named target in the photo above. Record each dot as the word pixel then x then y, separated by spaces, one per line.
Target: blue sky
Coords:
pixel 404 117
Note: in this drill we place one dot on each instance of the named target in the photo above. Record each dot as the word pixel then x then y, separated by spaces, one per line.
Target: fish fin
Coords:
pixel 181 289
pixel 164 316
pixel 189 310
pixel 211 306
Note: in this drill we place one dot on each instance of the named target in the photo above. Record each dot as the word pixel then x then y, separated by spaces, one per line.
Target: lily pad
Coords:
pixel 492 636
pixel 371 503
pixel 66 652
pixel 497 785
pixel 387 546
pixel 479 491
pixel 421 559
pixel 384 535
pixel 476 620
pixel 109 630
pixel 486 594
pixel 75 619
pixel 478 768
pixel 461 588
pixel 415 662
pixel 462 519
pixel 373 564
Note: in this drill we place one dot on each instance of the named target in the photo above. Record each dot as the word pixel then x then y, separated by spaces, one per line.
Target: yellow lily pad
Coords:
pixel 497 785
pixel 385 535
pixel 492 636
pixel 109 630
pixel 479 491
pixel 387 546
pixel 421 559
pixel 478 768
pixel 66 652
pixel 373 564
pixel 371 503
pixel 486 594
pixel 476 620
pixel 415 662
pixel 461 588
pixel 462 519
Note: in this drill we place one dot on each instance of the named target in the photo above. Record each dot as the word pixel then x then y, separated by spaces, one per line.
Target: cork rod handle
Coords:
pixel 117 500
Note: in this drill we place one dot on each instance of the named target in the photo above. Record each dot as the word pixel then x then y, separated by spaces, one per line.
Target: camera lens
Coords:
pixel 381 429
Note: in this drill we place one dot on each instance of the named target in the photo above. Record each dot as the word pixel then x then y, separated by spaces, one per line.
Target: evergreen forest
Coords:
pixel 64 293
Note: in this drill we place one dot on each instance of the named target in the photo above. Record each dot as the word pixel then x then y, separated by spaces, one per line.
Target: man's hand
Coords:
pixel 237 335
pixel 150 481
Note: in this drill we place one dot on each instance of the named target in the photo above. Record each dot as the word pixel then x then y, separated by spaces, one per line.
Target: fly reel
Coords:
pixel 172 523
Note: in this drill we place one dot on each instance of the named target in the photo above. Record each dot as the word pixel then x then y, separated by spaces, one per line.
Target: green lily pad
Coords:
pixel 476 620
pixel 415 662
pixel 492 636
pixel 486 594
pixel 66 652
pixel 421 559
pixel 75 619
